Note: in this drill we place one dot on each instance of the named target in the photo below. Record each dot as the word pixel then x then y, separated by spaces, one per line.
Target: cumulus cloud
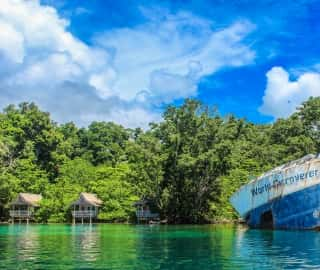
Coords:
pixel 74 101
pixel 126 72
pixel 168 55
pixel 282 95
pixel 43 51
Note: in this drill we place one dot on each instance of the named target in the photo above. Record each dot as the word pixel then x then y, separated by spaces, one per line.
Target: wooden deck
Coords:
pixel 146 215
pixel 84 213
pixel 20 213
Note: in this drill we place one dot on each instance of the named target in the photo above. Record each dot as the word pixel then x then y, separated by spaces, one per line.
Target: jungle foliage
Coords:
pixel 189 164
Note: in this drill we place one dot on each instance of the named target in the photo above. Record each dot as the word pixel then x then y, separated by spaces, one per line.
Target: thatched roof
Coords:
pixel 88 199
pixel 27 199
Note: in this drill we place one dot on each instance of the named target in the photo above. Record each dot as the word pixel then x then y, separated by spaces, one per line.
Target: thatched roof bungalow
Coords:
pixel 24 205
pixel 146 210
pixel 86 207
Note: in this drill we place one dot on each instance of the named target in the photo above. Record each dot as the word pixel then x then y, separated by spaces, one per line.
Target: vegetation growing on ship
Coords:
pixel 189 164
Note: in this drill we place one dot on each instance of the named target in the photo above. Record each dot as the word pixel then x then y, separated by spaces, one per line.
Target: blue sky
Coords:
pixel 124 61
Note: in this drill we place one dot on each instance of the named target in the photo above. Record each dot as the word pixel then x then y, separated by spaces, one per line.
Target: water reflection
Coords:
pixel 183 247
pixel 279 249
pixel 86 242
pixel 118 247
pixel 19 243
pixel 155 247
pixel 27 243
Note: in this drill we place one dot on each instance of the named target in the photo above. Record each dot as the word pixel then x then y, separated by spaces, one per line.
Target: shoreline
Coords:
pixel 235 222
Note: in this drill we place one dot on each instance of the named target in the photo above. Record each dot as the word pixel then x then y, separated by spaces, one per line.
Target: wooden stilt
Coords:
pixel 27 214
pixel 73 216
pixel 13 215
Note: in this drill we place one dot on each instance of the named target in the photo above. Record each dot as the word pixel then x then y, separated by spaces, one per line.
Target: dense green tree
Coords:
pixel 145 159
pixel 74 177
pixel 103 143
pixel 189 164
pixel 193 159
pixel 27 123
pixel 309 113
pixel 118 195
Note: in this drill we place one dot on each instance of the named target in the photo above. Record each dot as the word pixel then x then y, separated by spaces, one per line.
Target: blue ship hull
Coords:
pixel 286 197
pixel 299 210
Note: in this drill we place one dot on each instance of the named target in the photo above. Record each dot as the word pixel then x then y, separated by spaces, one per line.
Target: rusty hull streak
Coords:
pixel 296 183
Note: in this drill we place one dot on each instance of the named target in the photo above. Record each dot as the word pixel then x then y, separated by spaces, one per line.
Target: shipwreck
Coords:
pixel 286 197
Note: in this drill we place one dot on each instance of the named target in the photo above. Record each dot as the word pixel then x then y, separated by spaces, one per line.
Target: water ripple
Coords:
pixel 157 247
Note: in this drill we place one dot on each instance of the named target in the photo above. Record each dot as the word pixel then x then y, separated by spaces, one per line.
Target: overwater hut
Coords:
pixel 146 210
pixel 86 207
pixel 24 206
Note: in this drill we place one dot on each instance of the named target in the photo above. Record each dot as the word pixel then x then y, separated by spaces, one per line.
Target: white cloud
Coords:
pixel 44 49
pixel 282 96
pixel 81 11
pixel 123 76
pixel 78 103
pixel 128 117
pixel 11 43
pixel 168 55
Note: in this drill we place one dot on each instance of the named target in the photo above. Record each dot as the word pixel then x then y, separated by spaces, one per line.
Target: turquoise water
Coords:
pixel 155 247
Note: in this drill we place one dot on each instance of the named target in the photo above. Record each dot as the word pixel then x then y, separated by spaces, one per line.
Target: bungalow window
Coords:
pixel 22 207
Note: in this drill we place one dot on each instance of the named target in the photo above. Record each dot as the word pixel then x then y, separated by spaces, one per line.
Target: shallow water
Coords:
pixel 155 247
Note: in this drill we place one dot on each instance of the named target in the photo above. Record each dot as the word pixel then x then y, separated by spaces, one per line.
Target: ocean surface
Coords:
pixel 155 247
